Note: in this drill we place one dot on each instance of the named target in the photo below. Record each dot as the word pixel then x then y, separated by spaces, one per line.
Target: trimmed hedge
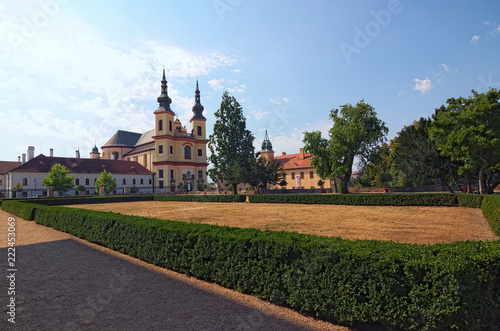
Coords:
pixel 23 210
pixel 62 201
pixel 202 198
pixel 470 200
pixel 491 211
pixel 412 287
pixel 415 199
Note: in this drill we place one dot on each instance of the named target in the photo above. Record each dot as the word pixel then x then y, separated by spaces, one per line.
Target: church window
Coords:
pixel 160 173
pixel 200 152
pixel 160 125
pixel 77 181
pixel 171 150
pixel 200 174
pixel 160 184
pixel 170 125
pixel 187 152
pixel 87 181
pixel 171 174
pixel 160 149
pixel 116 156
pixel 199 130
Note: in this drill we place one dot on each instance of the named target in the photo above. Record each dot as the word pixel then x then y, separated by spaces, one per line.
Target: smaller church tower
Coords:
pixel 267 148
pixel 198 120
pixel 164 116
pixel 95 152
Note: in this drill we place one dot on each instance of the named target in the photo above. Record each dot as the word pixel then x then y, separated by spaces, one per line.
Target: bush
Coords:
pixel 422 199
pixel 62 201
pixel 491 211
pixel 202 198
pixel 25 211
pixel 470 200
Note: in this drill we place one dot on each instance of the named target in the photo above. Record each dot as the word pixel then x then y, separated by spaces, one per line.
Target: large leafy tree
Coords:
pixel 58 179
pixel 264 172
pixel 356 131
pixel 106 180
pixel 231 145
pixel 377 171
pixel 468 130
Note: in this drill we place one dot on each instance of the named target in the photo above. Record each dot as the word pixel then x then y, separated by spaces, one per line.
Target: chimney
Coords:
pixel 301 154
pixel 24 157
pixel 284 153
pixel 77 153
pixel 18 159
pixel 51 152
pixel 31 152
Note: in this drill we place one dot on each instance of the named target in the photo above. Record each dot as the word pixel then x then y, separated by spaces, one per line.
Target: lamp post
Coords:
pixel 35 186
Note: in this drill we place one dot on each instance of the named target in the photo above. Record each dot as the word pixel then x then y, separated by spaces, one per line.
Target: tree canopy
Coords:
pixel 264 172
pixel 106 180
pixel 356 131
pixel 231 145
pixel 468 130
pixel 58 179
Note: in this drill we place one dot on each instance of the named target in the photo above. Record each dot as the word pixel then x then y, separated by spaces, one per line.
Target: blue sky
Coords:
pixel 74 72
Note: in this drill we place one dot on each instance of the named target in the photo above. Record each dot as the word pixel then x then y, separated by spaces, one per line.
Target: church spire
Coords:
pixel 164 100
pixel 266 144
pixel 197 108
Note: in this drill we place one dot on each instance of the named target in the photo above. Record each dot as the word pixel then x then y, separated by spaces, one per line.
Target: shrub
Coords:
pixel 423 199
pixel 470 200
pixel 491 211
pixel 202 198
pixel 25 211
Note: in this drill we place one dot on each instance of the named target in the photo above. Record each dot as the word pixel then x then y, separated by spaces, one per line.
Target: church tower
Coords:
pixel 199 133
pixel 267 148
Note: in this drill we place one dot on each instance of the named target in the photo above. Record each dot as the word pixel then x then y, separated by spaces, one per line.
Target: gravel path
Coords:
pixel 64 283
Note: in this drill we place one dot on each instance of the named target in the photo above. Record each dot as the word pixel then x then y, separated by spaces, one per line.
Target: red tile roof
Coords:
pixel 7 166
pixel 293 161
pixel 42 163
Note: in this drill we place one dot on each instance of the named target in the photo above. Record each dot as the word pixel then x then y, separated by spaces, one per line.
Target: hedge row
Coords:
pixel 491 211
pixel 21 209
pixel 203 198
pixel 470 200
pixel 412 287
pixel 415 199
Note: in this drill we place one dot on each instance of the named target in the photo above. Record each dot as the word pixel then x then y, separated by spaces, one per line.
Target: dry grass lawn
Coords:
pixel 421 225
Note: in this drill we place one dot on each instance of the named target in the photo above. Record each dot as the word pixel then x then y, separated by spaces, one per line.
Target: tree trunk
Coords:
pixel 482 179
pixel 458 184
pixel 235 188
pixel 469 186
pixel 446 185
pixel 344 184
pixel 334 184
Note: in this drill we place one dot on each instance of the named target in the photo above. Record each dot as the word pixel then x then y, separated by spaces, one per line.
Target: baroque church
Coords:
pixel 177 157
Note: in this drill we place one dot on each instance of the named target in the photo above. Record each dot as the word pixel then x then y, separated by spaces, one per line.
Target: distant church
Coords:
pixel 177 157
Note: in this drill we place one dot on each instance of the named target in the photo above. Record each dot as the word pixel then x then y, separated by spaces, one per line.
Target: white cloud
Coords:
pixel 279 101
pixel 216 84
pixel 474 39
pixel 422 85
pixel 448 69
pixel 239 89
pixel 259 114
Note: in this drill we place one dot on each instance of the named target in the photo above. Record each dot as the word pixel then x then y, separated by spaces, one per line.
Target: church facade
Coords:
pixel 177 157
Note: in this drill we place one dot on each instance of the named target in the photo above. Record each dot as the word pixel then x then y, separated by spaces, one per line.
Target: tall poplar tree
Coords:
pixel 231 145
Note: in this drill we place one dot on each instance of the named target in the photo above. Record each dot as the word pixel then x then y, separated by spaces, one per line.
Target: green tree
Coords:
pixel 58 178
pixel 106 180
pixel 356 131
pixel 468 130
pixel 377 169
pixel 264 172
pixel 231 145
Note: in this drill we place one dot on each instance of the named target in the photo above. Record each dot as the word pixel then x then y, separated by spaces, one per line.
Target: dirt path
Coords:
pixel 421 225
pixel 64 283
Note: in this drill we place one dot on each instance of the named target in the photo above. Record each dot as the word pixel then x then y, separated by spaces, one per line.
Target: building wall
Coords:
pixel 306 181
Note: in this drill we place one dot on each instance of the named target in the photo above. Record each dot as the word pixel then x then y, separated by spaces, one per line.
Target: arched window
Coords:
pixel 25 181
pixel 77 181
pixel 199 131
pixel 133 181
pixel 187 152
pixel 87 181
pixel 124 181
pixel 160 125
pixel 170 125
pixel 142 181
pixel 116 156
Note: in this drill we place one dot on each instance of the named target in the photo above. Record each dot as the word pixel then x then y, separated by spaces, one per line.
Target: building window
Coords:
pixel 199 130
pixel 160 183
pixel 124 181
pixel 150 181
pixel 160 125
pixel 160 149
pixel 95 180
pixel 171 174
pixel 187 153
pixel 293 175
pixel 160 173
pixel 25 181
pixel 171 150
pixel 142 181
pixel 200 152
pixel 311 174
pixel 200 174
pixel 133 181
pixel 128 159
pixel 116 156
pixel 1 183
pixel 301 175
pixel 77 181
pixel 87 181
pixel 170 125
